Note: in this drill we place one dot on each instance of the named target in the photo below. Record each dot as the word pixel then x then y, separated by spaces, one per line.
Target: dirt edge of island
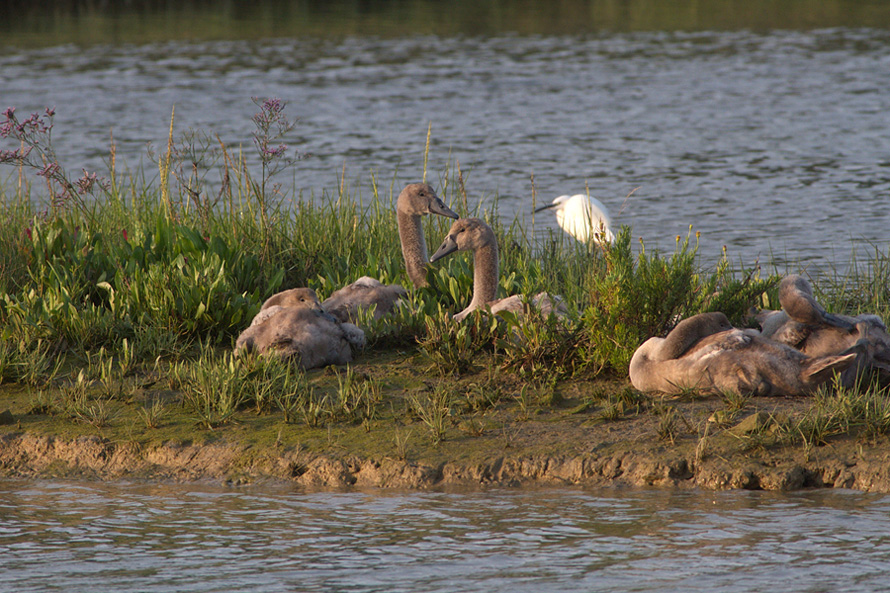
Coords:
pixel 92 457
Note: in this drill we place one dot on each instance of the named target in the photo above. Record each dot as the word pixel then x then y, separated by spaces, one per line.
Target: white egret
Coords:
pixel 583 217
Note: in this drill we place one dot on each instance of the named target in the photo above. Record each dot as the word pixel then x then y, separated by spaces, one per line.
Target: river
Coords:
pixel 95 537
pixel 772 141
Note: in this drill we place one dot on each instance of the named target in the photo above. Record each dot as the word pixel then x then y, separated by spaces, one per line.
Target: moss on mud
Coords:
pixel 496 429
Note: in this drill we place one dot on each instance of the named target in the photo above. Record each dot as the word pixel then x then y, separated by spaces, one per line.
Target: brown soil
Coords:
pixel 563 445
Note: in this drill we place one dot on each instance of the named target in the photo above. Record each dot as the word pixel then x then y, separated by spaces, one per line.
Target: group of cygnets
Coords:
pixel 294 323
pixel 796 350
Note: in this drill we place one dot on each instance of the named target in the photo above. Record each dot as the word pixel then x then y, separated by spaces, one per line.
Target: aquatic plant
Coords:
pixel 837 410
pixel 539 346
pixel 633 296
pixel 212 387
pixel 33 363
pixel 622 403
pixel 401 439
pixel 78 403
pixel 434 410
pixel 356 398
pixel 483 395
pixel 668 429
pixel 152 414
pixel 454 348
pixel 43 402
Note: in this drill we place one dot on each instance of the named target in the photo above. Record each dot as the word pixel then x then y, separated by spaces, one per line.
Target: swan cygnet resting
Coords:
pixel 304 298
pixel 475 235
pixel 706 353
pixel 294 324
pixel 803 325
pixel 364 293
pixel 583 217
pixel 414 202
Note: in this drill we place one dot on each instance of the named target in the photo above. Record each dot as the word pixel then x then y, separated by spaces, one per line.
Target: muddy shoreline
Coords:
pixel 586 435
pixel 843 464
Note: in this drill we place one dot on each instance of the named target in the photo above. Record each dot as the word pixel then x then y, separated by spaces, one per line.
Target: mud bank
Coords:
pixel 842 465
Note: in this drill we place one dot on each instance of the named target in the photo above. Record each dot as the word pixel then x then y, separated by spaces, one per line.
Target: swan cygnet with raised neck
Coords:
pixel 473 234
pixel 700 354
pixel 416 201
pixel 293 324
pixel 798 302
pixel 803 325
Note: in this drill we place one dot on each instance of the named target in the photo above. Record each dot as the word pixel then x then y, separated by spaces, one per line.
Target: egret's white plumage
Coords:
pixel 583 217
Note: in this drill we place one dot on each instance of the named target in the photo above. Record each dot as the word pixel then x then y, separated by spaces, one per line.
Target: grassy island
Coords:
pixel 121 297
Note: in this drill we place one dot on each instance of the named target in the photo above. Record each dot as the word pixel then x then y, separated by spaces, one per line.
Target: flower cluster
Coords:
pixel 50 170
pixel 86 183
pixel 14 156
pixel 274 152
pixel 36 152
pixel 270 110
pixel 271 124
pixel 34 125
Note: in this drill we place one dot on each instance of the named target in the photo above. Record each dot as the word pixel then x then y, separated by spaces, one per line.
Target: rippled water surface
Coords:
pixel 775 144
pixel 131 537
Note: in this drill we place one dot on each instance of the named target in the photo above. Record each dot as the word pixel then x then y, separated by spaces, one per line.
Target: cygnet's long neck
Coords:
pixel 413 247
pixel 485 277
pixel 688 332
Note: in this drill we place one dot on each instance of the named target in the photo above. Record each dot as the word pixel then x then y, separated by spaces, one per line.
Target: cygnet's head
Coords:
pixel 795 286
pixel 299 298
pixel 420 199
pixel 797 300
pixel 465 234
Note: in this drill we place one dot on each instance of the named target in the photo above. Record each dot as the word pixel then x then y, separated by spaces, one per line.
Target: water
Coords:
pixel 63 536
pixel 775 144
